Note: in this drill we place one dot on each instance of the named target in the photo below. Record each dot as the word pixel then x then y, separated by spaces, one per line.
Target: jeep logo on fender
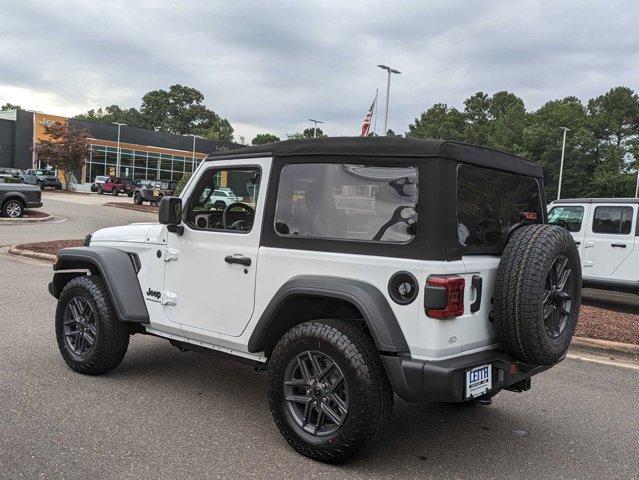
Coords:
pixel 153 293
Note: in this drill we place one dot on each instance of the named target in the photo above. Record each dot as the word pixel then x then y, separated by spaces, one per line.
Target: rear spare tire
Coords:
pixel 538 294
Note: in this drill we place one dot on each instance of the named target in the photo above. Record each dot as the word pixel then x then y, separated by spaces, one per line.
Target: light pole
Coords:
pixel 117 162
pixel 315 126
pixel 193 157
pixel 561 165
pixel 637 189
pixel 389 70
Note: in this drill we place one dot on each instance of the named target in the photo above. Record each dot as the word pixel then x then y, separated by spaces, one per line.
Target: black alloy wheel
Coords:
pixel 80 329
pixel 316 393
pixel 557 297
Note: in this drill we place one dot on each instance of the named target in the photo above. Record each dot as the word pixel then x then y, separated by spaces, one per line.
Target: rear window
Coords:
pixel 347 202
pixel 569 217
pixel 489 202
pixel 612 220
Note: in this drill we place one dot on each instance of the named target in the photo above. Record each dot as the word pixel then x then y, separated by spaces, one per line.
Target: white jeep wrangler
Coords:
pixel 352 269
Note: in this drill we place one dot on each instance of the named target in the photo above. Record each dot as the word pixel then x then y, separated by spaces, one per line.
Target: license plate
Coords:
pixel 479 380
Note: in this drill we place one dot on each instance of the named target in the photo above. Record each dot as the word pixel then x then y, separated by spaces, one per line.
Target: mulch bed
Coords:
pixel 133 206
pixel 34 214
pixel 52 247
pixel 603 324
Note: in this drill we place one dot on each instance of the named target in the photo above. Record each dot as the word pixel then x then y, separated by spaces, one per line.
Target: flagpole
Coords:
pixel 375 123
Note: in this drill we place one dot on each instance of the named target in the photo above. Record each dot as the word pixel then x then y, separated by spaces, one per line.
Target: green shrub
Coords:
pixel 182 183
pixel 11 180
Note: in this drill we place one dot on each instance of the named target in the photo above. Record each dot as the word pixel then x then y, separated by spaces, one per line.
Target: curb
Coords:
pixel 605 347
pixel 15 221
pixel 36 255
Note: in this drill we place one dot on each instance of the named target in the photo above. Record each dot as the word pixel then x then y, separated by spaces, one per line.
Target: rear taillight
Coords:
pixel 449 290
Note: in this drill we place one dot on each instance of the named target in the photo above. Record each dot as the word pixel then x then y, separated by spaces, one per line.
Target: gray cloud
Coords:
pixel 268 66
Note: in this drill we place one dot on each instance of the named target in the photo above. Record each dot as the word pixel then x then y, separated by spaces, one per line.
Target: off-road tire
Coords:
pixel 520 287
pixel 219 205
pixel 137 199
pixel 112 336
pixel 100 190
pixel 115 192
pixel 370 393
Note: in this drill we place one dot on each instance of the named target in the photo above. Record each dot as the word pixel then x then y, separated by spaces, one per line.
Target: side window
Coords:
pixel 206 212
pixel 489 202
pixel 347 202
pixel 569 217
pixel 612 220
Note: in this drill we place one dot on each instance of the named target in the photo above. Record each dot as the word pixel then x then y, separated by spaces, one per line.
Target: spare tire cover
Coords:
pixel 538 294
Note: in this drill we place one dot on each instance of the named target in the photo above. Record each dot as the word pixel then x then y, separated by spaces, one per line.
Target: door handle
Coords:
pixel 241 259
pixel 589 244
pixel 618 245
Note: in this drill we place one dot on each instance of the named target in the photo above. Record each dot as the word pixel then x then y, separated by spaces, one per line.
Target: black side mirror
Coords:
pixel 170 214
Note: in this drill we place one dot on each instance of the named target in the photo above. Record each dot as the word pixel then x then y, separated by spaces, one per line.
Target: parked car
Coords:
pixel 223 197
pixel 99 180
pixel 606 230
pixel 46 178
pixel 12 173
pixel 154 192
pixel 342 306
pixel 112 185
pixel 16 197
pixel 28 178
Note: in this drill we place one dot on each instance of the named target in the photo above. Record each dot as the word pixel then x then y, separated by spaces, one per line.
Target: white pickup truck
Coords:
pixel 606 231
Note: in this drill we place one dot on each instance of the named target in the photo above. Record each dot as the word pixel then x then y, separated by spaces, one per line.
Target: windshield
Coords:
pixel 45 172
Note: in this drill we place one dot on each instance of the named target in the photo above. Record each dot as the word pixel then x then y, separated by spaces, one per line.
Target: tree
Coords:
pixel 180 110
pixel 311 132
pixel 65 149
pixel 113 113
pixel 184 179
pixel 10 106
pixel 439 122
pixel 262 138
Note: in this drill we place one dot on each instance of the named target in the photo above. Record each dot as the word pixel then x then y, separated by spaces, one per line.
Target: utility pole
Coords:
pixel 117 163
pixel 315 126
pixel 389 70
pixel 561 165
pixel 637 189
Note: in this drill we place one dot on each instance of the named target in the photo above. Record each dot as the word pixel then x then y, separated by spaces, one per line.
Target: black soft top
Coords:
pixel 371 147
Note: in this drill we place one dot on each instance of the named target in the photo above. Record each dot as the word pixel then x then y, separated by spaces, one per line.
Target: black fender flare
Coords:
pixel 366 298
pixel 117 268
pixel 14 195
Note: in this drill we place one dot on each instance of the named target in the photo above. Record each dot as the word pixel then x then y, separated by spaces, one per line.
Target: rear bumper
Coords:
pixel 33 205
pixel 444 380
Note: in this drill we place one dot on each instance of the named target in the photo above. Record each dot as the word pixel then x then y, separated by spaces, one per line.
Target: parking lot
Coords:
pixel 167 414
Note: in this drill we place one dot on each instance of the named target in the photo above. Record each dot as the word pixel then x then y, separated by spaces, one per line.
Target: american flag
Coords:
pixel 366 124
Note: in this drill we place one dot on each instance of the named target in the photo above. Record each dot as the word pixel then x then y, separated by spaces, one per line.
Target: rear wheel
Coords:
pixel 328 391
pixel 90 337
pixel 12 208
pixel 115 192
pixel 100 190
pixel 538 294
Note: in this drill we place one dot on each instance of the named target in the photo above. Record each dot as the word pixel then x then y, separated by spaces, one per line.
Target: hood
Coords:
pixel 133 233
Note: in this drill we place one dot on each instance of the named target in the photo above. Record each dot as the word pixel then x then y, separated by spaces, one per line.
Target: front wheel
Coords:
pixel 328 391
pixel 115 192
pixel 90 337
pixel 100 190
pixel 137 199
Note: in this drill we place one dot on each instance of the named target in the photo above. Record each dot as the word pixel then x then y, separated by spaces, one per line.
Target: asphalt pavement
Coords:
pixel 167 414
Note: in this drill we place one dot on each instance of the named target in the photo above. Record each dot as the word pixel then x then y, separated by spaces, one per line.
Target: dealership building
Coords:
pixel 143 154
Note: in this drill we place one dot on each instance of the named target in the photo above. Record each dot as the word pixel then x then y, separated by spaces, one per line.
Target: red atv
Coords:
pixel 112 185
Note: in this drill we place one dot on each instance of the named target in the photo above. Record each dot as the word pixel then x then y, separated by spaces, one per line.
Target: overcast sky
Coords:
pixel 269 66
